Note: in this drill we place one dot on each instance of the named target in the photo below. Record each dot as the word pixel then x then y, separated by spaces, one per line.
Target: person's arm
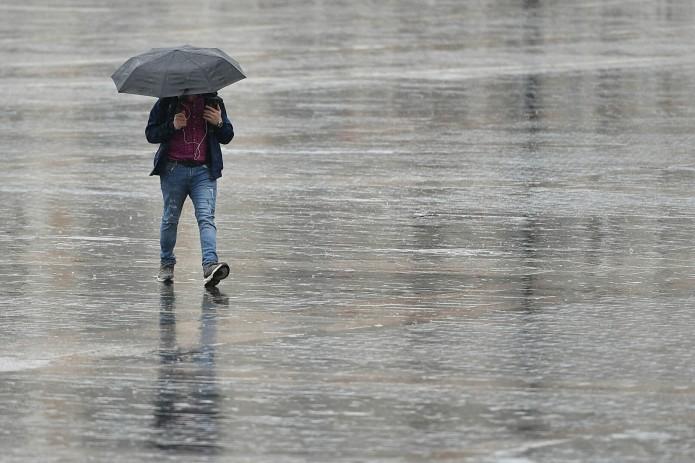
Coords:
pixel 225 131
pixel 156 130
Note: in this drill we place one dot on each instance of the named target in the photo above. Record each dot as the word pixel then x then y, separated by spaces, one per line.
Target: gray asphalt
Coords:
pixel 458 231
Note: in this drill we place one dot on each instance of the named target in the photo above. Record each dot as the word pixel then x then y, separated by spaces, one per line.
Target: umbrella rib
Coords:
pixel 123 84
pixel 200 68
pixel 166 75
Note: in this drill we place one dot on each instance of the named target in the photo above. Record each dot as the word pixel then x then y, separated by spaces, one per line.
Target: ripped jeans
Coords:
pixel 177 183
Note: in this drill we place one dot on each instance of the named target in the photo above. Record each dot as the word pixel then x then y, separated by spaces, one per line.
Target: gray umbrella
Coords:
pixel 175 71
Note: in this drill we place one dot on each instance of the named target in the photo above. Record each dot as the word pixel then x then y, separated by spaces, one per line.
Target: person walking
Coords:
pixel 189 130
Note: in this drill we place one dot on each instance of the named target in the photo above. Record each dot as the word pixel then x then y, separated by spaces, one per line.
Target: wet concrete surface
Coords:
pixel 458 231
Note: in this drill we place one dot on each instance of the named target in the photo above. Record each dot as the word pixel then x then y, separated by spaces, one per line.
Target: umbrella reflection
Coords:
pixel 187 402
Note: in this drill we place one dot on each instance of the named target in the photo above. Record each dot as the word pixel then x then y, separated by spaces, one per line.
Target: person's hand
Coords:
pixel 212 115
pixel 180 120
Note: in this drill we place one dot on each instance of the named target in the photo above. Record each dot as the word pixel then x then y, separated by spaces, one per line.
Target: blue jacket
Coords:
pixel 160 128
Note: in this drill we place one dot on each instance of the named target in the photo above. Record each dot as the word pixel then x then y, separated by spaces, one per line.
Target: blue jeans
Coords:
pixel 177 183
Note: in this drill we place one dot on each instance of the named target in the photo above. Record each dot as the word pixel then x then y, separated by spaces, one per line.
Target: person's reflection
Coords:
pixel 186 405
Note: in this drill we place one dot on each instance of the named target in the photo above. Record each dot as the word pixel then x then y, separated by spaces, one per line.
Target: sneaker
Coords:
pixel 213 273
pixel 166 273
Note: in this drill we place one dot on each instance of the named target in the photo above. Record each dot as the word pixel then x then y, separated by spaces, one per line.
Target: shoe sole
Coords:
pixel 218 274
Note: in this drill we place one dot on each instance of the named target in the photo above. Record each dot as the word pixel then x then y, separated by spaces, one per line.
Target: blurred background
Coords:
pixel 458 231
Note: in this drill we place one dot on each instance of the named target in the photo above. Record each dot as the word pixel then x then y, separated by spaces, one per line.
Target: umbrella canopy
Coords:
pixel 184 70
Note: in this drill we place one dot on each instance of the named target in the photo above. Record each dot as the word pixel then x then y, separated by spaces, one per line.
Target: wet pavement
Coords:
pixel 458 231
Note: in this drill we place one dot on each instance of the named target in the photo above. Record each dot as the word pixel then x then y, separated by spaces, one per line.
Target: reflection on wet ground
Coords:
pixel 187 403
pixel 459 231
